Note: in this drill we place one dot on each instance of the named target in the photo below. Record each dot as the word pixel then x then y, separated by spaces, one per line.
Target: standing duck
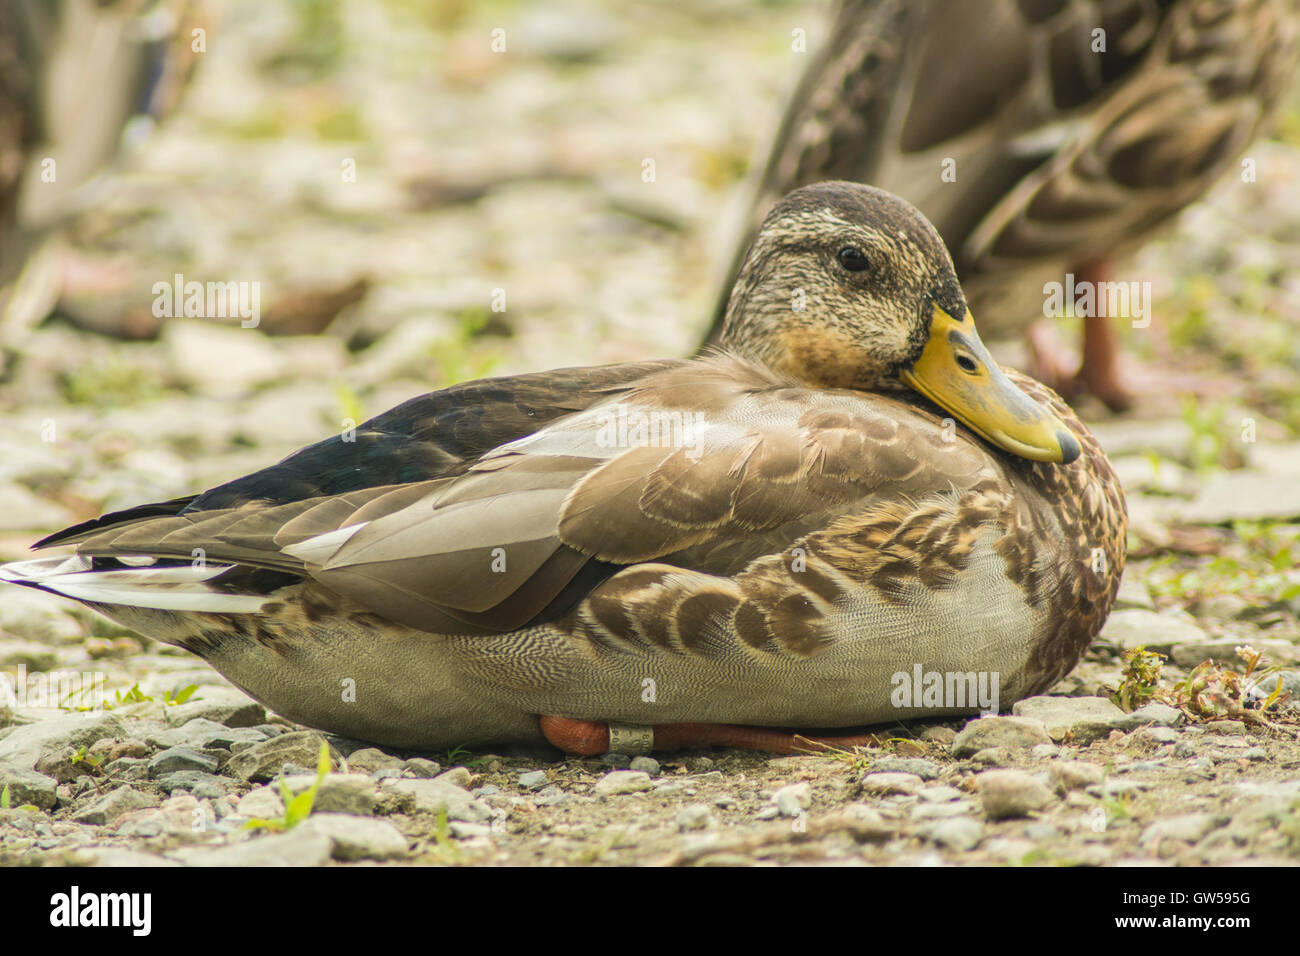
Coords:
pixel 659 554
pixel 1041 137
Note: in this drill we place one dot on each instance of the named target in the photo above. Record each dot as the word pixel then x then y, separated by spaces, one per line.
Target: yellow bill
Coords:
pixel 956 372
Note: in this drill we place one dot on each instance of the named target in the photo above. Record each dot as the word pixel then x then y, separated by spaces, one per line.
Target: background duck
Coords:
pixel 498 562
pixel 1064 157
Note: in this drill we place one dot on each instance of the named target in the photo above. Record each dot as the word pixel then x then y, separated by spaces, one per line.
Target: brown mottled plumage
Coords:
pixel 1039 136
pixel 747 538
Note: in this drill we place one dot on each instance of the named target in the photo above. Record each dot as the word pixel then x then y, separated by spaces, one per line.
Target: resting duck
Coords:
pixel 1034 152
pixel 658 554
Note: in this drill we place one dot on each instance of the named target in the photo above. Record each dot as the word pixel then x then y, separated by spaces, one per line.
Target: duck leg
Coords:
pixel 1099 369
pixel 590 738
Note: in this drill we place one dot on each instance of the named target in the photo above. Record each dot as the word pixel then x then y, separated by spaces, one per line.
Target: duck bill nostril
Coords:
pixel 989 404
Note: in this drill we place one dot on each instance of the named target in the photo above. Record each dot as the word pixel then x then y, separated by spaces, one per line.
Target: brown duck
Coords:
pixel 725 549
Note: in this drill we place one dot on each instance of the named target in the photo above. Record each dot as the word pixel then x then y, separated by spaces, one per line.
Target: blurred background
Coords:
pixel 417 208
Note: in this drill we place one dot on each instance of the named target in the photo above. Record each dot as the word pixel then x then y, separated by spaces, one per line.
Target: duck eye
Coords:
pixel 853 259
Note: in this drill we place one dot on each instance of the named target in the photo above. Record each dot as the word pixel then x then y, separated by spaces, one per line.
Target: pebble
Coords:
pixel 1067 775
pixel 1013 733
pixel 358 838
pixel 622 781
pixel 370 759
pixel 196 782
pixel 437 796
pixel 262 803
pixel 298 847
pixel 175 759
pixel 939 794
pixel 1083 719
pixel 28 786
pixel 533 780
pixel 1005 794
pixel 227 706
pixel 883 784
pixel 1189 828
pixel 1129 629
pixel 353 793
pixel 25 745
pixel 694 816
pixel 456 776
pixel 794 798
pixel 925 769
pixel 959 833
pixel 645 765
pixel 114 804
pixel 265 760
pixel 428 769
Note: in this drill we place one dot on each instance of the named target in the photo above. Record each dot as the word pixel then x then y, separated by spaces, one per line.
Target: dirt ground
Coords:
pixel 522 173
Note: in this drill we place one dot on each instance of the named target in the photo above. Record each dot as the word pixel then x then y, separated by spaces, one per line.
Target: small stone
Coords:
pixel 427 769
pixel 1067 775
pixel 1224 727
pixel 262 803
pixel 550 796
pixel 358 838
pixel 883 784
pixel 175 759
pixel 470 831
pixel 1084 719
pixel 352 793
pixel 767 813
pixel 1189 828
pixel 23 746
pixel 28 786
pixel 265 760
pixel 1015 733
pixel 1158 714
pixel 202 785
pixel 108 749
pixel 533 780
pixel 1155 736
pixel 992 757
pixel 128 769
pixel 219 704
pixel 298 847
pixel 959 833
pixel 939 794
pixel 616 760
pixel 939 735
pixel 1006 794
pixel 925 769
pixel 699 764
pixel 64 766
pixel 694 816
pixel 794 798
pixel 622 781
pixel 437 796
pixel 113 804
pixel 645 765
pixel 457 777
pixel 1224 651
pixel 370 759
pixel 942 811
pixel 1130 629
pixel 1044 751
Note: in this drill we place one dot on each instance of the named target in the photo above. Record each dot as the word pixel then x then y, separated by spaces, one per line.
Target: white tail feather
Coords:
pixel 176 588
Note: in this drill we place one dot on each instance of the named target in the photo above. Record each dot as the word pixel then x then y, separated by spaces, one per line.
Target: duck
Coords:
pixel 745 548
pixel 1045 139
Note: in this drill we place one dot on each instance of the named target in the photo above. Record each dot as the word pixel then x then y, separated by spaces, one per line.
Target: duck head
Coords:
pixel 847 286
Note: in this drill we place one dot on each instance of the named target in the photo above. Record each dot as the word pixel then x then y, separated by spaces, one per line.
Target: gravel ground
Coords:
pixel 522 172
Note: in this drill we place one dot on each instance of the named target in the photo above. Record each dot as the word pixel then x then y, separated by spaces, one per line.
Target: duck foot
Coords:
pixel 591 738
